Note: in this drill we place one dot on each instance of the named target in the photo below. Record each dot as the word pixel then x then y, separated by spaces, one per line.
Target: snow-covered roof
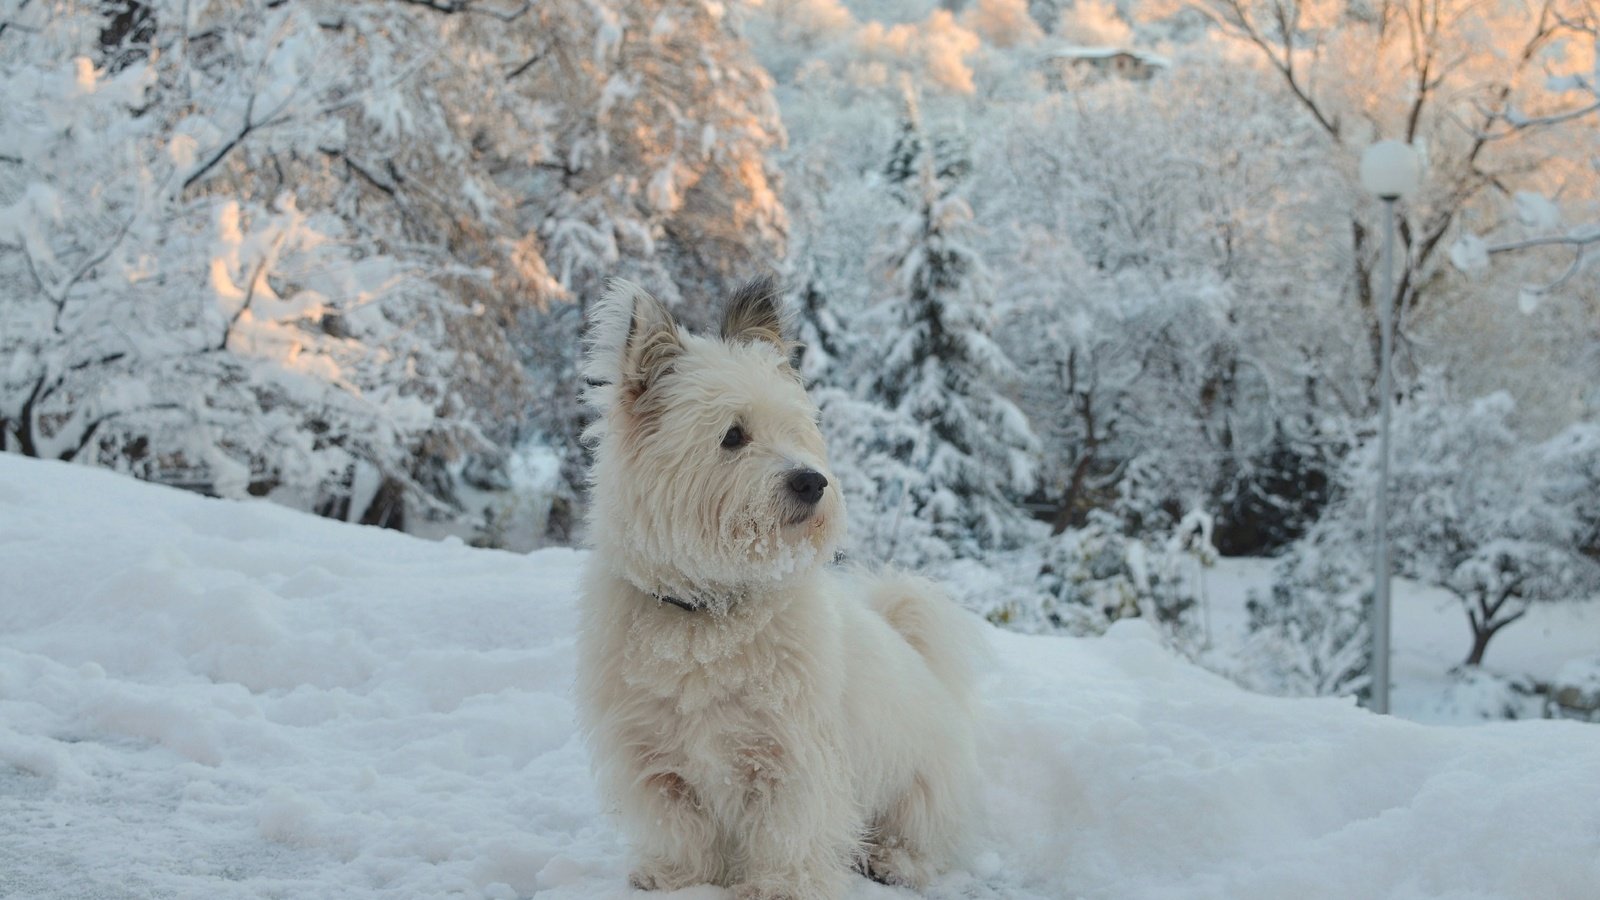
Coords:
pixel 1074 52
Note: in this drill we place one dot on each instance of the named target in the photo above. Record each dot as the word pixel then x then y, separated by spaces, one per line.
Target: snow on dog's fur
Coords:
pixel 758 718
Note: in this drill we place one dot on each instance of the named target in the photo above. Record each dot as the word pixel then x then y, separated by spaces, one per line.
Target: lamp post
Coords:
pixel 1390 170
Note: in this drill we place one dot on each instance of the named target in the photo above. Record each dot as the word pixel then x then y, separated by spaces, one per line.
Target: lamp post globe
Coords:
pixel 1391 169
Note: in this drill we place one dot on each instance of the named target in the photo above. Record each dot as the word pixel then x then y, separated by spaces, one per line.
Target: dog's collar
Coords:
pixel 681 604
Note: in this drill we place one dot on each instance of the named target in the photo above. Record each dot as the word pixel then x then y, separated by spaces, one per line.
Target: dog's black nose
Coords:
pixel 807 485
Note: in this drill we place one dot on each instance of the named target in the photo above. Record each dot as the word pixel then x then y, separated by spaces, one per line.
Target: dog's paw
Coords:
pixel 763 892
pixel 659 877
pixel 643 880
pixel 897 867
pixel 800 890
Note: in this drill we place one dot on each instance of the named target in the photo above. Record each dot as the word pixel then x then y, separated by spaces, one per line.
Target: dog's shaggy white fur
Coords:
pixel 794 720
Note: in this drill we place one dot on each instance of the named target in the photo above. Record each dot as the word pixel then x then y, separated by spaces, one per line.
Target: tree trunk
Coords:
pixel 1067 512
pixel 1480 643
pixel 25 421
pixel 1481 633
pixel 1484 624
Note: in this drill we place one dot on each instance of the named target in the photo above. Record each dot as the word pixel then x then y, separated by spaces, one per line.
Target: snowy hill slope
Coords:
pixel 213 699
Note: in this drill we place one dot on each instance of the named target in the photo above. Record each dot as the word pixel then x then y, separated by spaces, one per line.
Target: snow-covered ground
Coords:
pixel 217 699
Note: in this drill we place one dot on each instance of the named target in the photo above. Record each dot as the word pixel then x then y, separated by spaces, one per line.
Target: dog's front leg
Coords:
pixel 673 833
pixel 798 828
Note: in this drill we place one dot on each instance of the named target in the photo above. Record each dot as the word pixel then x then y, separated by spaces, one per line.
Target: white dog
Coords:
pixel 760 720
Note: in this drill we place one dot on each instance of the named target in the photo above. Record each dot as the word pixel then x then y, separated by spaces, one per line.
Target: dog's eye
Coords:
pixel 735 438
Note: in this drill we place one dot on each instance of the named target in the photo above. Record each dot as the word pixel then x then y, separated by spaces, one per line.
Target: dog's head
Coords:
pixel 710 476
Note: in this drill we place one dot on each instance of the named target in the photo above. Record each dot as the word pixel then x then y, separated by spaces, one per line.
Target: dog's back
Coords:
pixel 911 660
pixel 948 641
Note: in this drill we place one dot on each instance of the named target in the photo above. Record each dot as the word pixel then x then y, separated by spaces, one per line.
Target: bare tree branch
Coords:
pixel 94 427
pixel 249 297
pixel 1237 20
pixel 451 7
pixel 524 66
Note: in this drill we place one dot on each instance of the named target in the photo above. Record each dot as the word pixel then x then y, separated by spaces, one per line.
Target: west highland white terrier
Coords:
pixel 759 718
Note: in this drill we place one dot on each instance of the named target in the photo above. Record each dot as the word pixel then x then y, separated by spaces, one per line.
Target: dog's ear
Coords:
pixel 755 313
pixel 633 341
pixel 653 345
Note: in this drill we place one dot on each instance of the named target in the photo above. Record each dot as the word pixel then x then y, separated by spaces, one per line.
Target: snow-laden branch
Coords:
pixel 1580 242
pixel 1572 239
pixel 249 296
pixel 1519 124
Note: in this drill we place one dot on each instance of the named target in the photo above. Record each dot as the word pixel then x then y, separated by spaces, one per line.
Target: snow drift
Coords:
pixel 202 698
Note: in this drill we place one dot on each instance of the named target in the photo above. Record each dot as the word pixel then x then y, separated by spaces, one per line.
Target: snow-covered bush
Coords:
pixel 1087 578
pixel 1570 466
pixel 879 456
pixel 1312 634
pixel 1474 509
pixel 1475 693
pixel 1575 690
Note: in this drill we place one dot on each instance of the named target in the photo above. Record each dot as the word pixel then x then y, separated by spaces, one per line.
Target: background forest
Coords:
pixel 1087 290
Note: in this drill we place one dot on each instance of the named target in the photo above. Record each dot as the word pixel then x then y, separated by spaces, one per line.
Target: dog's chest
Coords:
pixel 759 677
pixel 732 705
pixel 730 723
pixel 762 659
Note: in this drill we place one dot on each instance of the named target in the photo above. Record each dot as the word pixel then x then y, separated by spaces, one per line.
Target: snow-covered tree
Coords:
pixel 323 251
pixel 655 167
pixel 1130 393
pixel 651 126
pixel 1476 510
pixel 871 447
pixel 1172 359
pixel 1002 23
pixel 1094 23
pixel 229 244
pixel 942 367
pixel 1454 77
pixel 1535 223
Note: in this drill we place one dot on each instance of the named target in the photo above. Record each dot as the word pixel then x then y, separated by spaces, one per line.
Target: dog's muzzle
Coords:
pixel 806 485
pixel 803 488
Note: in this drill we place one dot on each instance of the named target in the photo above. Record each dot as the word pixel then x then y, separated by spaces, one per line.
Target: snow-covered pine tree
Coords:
pixel 942 369
pixel 869 445
pixel 824 345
